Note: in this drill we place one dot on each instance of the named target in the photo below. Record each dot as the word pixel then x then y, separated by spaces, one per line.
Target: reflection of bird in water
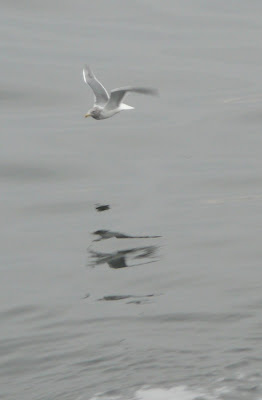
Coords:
pixel 106 106
pixel 114 260
pixel 118 259
pixel 137 299
pixel 105 234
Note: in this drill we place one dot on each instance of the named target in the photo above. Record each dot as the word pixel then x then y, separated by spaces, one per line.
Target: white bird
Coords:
pixel 106 106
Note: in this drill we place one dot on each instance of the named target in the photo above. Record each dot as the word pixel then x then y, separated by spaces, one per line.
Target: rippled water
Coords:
pixel 165 303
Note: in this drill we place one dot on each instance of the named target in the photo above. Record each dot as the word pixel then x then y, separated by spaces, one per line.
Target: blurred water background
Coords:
pixel 175 317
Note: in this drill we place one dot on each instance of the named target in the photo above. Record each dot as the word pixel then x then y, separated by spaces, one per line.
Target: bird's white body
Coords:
pixel 102 113
pixel 106 106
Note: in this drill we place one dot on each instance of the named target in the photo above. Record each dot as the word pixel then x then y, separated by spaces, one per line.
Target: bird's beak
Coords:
pixel 87 115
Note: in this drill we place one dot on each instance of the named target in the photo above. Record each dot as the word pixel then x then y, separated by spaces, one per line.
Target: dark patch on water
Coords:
pixel 31 97
pixel 20 311
pixel 240 350
pixel 24 172
pixel 102 207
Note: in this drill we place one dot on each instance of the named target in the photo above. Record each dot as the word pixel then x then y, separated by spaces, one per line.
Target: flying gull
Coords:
pixel 106 106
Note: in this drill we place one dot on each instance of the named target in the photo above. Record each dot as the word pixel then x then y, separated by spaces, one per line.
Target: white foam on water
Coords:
pixel 180 392
pixel 175 393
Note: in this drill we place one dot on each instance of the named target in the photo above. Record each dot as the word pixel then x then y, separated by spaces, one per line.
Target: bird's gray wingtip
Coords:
pixel 151 91
pixel 155 92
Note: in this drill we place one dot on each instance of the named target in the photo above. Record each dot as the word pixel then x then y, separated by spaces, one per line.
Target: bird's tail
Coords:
pixel 126 107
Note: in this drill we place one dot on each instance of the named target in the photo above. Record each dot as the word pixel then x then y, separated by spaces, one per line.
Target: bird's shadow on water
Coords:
pixel 102 207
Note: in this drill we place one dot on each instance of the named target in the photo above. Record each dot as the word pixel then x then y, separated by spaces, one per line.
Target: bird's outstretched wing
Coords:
pixel 117 95
pixel 100 93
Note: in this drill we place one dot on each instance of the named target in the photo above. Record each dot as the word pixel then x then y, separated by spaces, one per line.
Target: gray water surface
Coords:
pixel 182 310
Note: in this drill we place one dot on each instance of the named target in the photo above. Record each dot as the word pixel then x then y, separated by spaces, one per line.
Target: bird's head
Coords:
pixel 89 113
pixel 93 112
